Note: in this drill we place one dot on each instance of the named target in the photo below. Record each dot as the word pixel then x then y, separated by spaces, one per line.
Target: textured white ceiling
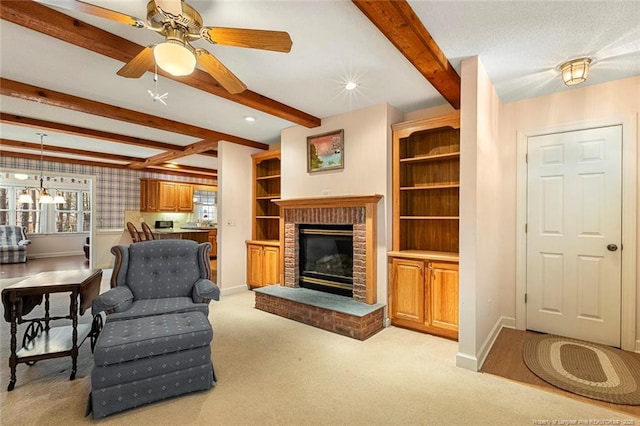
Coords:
pixel 520 43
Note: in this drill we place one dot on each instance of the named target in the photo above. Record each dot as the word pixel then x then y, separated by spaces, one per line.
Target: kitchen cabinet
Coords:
pixel 165 196
pixel 424 294
pixel 213 239
pixel 263 263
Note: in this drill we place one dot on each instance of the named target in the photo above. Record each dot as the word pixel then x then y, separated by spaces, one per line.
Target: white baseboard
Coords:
pixel 503 322
pixel 467 361
pixel 57 254
pixel 225 291
pixel 474 363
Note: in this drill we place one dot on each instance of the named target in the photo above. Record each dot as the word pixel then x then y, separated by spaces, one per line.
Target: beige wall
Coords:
pixel 366 167
pixel 571 109
pixel 234 215
pixel 481 215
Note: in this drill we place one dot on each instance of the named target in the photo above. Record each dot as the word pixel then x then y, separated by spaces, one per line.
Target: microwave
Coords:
pixel 163 224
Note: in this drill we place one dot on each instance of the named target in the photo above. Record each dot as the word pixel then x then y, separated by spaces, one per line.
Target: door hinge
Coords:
pixel 525 298
pixel 526 228
pixel 526 158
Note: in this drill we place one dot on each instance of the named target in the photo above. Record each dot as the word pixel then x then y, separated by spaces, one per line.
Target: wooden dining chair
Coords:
pixel 148 235
pixel 133 231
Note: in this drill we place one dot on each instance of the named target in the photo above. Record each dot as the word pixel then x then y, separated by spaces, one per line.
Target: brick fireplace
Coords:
pixel 358 211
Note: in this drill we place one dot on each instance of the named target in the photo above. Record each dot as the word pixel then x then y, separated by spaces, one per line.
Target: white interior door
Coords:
pixel 574 234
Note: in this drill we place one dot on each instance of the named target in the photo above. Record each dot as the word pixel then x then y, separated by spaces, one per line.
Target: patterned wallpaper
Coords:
pixel 117 190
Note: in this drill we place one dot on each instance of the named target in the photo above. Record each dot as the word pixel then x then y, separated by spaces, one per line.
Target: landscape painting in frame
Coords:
pixel 325 151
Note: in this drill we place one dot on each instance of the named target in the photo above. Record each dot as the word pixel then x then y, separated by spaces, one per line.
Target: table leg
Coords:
pixel 74 321
pixel 47 318
pixel 13 359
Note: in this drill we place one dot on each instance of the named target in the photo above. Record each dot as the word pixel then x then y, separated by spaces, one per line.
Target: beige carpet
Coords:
pixel 275 371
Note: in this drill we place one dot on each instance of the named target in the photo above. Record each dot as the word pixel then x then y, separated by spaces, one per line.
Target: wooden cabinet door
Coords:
pixel 270 265
pixel 167 198
pixel 213 239
pixel 444 295
pixel 184 197
pixel 152 195
pixel 254 265
pixel 408 290
pixel 143 196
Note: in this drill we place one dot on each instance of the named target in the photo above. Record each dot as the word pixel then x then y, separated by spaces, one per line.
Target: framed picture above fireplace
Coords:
pixel 325 151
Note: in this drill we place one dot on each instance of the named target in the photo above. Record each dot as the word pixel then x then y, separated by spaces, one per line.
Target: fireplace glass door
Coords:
pixel 326 258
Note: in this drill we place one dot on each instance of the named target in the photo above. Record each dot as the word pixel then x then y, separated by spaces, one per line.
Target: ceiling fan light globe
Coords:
pixel 174 58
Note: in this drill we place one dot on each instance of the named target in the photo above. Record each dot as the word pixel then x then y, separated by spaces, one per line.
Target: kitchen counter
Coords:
pixel 198 235
pixel 170 231
pixel 204 228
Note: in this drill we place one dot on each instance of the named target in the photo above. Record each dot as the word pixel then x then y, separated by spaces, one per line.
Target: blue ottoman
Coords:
pixel 148 359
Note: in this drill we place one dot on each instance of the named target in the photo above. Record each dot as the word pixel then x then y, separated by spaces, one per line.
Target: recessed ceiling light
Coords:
pixel 249 118
pixel 350 85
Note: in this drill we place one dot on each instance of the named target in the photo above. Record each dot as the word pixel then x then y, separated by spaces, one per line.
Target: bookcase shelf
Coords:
pixel 423 286
pixel 263 250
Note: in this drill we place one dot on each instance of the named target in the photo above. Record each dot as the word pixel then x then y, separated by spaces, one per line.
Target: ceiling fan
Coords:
pixel 180 24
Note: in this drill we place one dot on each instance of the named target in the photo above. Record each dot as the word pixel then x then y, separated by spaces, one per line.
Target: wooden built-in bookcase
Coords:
pixel 263 250
pixel 423 264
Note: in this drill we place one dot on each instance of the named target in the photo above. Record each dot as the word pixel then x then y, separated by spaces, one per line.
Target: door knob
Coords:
pixel 612 247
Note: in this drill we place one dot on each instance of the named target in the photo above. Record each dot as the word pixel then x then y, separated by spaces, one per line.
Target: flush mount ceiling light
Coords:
pixel 575 71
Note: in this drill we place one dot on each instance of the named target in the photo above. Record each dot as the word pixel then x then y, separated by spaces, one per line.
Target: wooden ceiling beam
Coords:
pixel 210 174
pixel 44 125
pixel 165 157
pixel 73 151
pixel 187 169
pixel 50 126
pixel 48 21
pixel 44 96
pixel 399 23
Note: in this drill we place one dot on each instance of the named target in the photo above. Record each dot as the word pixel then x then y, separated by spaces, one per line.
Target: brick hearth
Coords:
pixel 359 211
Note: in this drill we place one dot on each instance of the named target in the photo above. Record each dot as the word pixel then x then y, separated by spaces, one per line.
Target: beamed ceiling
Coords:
pixel 58 71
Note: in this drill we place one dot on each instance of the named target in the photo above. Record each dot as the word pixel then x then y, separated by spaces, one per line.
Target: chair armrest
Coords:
pixel 116 299
pixel 24 242
pixel 205 290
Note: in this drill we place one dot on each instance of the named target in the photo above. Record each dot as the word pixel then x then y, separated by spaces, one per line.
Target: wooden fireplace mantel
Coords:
pixel 336 201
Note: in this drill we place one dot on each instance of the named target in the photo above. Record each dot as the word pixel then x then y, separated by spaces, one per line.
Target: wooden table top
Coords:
pixel 53 279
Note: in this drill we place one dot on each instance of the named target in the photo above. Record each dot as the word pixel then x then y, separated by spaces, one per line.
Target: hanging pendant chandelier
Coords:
pixel 44 197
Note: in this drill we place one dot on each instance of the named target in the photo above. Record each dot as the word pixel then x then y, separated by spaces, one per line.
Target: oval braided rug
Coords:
pixel 587 369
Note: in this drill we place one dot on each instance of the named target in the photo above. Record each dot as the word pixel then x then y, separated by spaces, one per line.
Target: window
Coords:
pixel 74 215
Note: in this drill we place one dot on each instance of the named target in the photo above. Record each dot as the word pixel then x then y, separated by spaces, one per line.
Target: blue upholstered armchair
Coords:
pixel 158 277
pixel 13 244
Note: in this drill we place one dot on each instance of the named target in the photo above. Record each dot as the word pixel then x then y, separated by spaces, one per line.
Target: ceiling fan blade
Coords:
pixel 278 41
pixel 139 64
pixel 170 7
pixel 218 71
pixel 101 12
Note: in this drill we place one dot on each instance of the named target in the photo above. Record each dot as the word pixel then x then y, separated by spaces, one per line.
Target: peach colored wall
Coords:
pixel 367 168
pixel 569 109
pixel 482 247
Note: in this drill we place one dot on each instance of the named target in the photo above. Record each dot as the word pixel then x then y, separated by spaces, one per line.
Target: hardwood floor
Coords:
pixel 34 266
pixel 505 360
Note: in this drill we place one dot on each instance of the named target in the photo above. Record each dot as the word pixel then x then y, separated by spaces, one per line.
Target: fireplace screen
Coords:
pixel 326 258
